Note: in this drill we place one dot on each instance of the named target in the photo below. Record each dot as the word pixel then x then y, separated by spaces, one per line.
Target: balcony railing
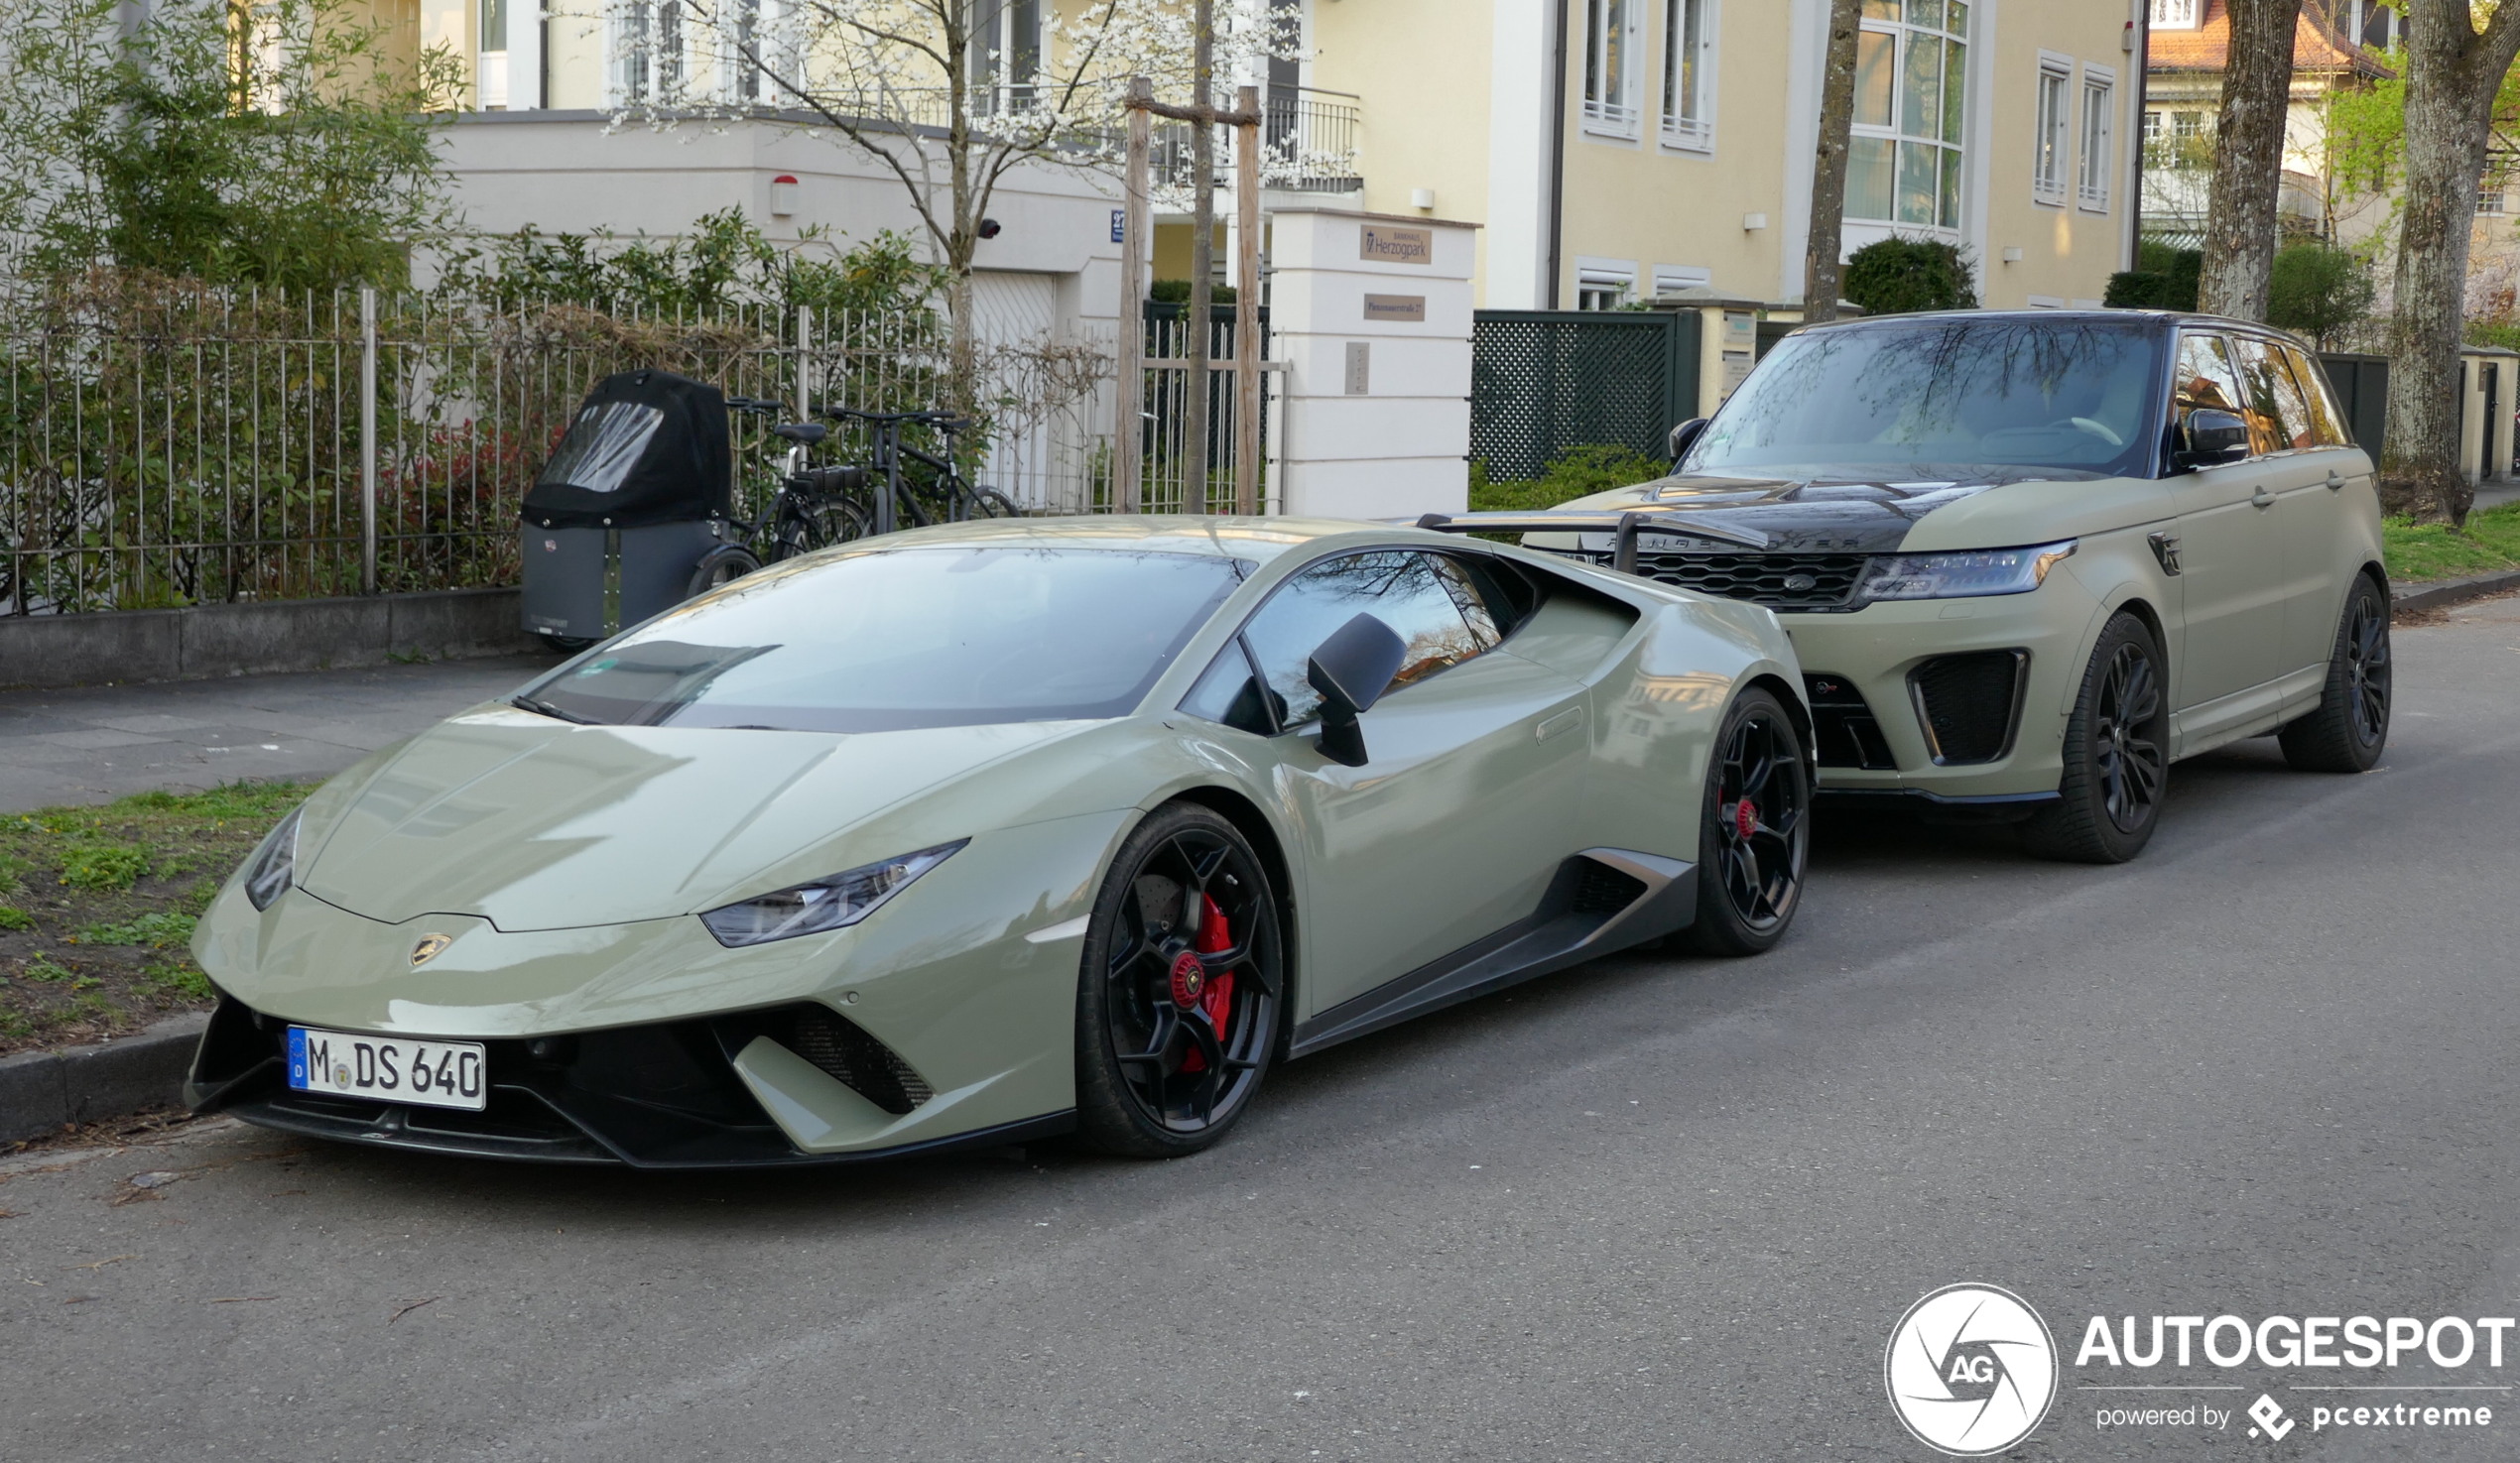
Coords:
pixel 1309 138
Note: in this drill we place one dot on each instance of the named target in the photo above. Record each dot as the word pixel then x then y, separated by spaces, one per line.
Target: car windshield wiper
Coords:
pixel 542 707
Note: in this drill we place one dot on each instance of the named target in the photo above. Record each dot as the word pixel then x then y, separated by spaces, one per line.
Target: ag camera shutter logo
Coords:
pixel 1970 1370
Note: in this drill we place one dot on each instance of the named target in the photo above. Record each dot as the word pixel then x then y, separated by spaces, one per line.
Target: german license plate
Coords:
pixel 388 1068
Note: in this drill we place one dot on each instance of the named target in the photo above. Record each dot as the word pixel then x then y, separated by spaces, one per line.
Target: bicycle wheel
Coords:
pixel 805 528
pixel 990 503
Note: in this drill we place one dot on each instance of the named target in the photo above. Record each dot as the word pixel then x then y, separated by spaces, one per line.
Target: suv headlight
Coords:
pixel 825 904
pixel 274 864
pixel 1960 575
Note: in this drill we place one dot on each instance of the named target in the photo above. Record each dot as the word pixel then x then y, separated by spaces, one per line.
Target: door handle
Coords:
pixel 2335 481
pixel 2261 498
pixel 1567 720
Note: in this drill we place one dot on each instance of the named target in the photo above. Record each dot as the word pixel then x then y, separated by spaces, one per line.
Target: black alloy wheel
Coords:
pixel 1754 838
pixel 1180 987
pixel 2116 755
pixel 2351 725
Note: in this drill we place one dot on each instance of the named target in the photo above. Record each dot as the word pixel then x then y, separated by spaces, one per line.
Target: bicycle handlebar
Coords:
pixel 756 406
pixel 942 421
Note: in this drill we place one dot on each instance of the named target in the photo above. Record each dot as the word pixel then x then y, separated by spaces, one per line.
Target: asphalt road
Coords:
pixel 1652 1208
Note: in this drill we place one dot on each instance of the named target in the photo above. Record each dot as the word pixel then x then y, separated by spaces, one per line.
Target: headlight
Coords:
pixel 825 904
pixel 274 864
pixel 1960 575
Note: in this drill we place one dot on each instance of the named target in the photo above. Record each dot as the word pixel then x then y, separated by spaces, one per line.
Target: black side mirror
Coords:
pixel 1351 670
pixel 2212 437
pixel 1684 434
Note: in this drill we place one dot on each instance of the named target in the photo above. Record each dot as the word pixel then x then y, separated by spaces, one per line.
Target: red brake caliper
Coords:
pixel 1216 937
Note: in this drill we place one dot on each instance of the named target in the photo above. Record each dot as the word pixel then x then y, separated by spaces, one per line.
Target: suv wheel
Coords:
pixel 2351 724
pixel 2116 755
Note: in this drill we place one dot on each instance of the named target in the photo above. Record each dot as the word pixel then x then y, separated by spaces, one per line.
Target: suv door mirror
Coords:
pixel 1351 670
pixel 1684 434
pixel 2212 437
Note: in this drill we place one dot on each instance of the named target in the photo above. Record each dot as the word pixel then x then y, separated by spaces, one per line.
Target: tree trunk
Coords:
pixel 1821 268
pixel 1202 264
pixel 2248 159
pixel 962 241
pixel 2451 75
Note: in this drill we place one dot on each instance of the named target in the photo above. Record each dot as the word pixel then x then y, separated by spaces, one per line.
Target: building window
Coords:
pixel 1006 54
pixel 2051 144
pixel 2490 196
pixel 2175 15
pixel 1675 279
pixel 1688 73
pixel 1609 65
pixel 1604 284
pixel 647 51
pixel 1903 163
pixel 2099 101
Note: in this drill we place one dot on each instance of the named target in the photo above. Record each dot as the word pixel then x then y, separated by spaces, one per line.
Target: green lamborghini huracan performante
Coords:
pixel 998 830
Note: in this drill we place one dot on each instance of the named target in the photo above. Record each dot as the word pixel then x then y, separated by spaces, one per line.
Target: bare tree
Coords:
pixel 2453 71
pixel 1821 266
pixel 2248 158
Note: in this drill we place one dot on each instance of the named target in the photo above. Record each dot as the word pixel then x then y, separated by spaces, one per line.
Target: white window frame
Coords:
pixel 1693 134
pixel 1610 106
pixel 999 92
pixel 642 70
pixel 2098 138
pixel 1616 277
pixel 1672 279
pixel 1894 135
pixel 2177 14
pixel 2052 129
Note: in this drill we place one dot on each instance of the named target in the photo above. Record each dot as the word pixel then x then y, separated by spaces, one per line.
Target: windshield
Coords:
pixel 903 638
pixel 1919 400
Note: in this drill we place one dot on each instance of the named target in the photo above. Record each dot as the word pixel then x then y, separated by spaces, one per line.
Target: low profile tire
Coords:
pixel 2116 755
pixel 1179 988
pixel 722 566
pixel 2351 725
pixel 561 644
pixel 1754 832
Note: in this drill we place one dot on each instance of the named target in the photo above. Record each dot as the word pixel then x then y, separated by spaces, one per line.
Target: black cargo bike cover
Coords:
pixel 647 447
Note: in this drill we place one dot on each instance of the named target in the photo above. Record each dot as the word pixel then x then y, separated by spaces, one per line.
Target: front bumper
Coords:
pixel 1899 656
pixel 676 1095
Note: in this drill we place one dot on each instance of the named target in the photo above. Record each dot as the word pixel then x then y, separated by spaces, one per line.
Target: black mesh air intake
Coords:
pixel 1966 703
pixel 855 1060
pixel 1844 725
pixel 1602 889
pixel 1812 582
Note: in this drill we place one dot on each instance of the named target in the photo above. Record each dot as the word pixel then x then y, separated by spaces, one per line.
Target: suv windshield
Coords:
pixel 903 638
pixel 1920 399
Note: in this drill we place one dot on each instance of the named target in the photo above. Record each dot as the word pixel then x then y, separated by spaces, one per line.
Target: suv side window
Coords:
pixel 2326 422
pixel 1412 592
pixel 2279 419
pixel 2206 380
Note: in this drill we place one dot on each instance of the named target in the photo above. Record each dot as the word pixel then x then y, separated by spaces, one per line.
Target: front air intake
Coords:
pixel 1969 704
pixel 854 1059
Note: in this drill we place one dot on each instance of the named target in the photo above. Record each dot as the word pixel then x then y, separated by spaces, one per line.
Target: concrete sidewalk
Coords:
pixel 94 744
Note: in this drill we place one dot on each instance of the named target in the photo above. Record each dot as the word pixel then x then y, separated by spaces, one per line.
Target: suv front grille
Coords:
pixel 1966 703
pixel 1780 581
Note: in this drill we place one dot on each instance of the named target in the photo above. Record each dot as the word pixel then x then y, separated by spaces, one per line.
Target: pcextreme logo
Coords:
pixel 1970 1370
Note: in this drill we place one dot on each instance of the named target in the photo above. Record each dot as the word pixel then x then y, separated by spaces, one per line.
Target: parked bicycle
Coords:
pixel 813 507
pixel 914 488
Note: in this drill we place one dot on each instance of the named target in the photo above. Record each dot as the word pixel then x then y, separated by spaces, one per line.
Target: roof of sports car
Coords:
pixel 1260 538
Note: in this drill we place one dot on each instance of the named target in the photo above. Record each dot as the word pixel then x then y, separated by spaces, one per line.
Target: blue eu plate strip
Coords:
pixel 297 1057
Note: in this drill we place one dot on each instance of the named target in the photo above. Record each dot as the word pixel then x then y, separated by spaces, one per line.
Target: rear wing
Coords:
pixel 1624 524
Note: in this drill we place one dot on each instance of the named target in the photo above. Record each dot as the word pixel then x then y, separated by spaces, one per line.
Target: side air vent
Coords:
pixel 1602 889
pixel 855 1060
pixel 1968 703
pixel 1844 725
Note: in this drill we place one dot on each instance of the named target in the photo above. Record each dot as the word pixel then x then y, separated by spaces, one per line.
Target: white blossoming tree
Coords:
pixel 950 96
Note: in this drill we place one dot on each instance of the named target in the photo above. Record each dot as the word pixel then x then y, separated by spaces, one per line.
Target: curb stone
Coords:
pixel 39 1091
pixel 2454 591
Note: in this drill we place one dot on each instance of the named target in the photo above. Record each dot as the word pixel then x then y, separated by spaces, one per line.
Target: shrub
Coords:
pixel 12 918
pixel 1896 275
pixel 2317 291
pixel 159 929
pixel 2164 278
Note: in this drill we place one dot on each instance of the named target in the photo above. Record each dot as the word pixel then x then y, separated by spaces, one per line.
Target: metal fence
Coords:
pixel 164 445
pixel 1543 381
